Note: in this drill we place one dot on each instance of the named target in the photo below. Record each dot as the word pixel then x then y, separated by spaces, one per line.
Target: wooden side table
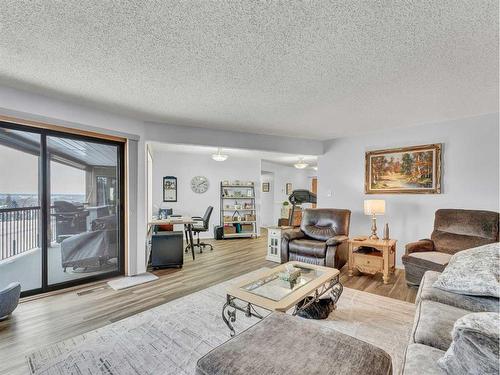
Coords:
pixel 383 259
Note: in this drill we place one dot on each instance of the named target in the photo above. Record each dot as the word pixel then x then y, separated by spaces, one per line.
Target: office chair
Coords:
pixel 201 225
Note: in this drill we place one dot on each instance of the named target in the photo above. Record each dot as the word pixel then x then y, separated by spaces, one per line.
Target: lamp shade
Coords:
pixel 374 206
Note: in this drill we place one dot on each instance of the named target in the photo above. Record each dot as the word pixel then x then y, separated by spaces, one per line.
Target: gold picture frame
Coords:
pixel 405 170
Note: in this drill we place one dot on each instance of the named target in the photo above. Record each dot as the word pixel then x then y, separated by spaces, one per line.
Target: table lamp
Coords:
pixel 374 207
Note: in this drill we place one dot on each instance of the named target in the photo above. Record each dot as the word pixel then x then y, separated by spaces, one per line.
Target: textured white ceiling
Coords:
pixel 275 157
pixel 312 69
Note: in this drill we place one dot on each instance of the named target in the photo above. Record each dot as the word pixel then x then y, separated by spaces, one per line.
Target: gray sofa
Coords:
pixel 436 313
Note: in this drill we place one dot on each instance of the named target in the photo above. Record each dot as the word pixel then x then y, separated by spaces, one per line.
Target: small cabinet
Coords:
pixel 372 256
pixel 274 243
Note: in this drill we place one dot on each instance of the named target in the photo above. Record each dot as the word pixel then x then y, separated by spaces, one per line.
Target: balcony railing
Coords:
pixel 20 230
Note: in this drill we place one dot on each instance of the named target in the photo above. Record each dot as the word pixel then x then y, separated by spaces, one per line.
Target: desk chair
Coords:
pixel 201 225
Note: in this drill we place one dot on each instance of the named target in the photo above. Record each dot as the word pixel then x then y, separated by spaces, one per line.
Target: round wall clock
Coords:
pixel 199 184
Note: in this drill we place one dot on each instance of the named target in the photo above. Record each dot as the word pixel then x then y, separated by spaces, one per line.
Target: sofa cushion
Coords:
pixel 473 272
pixel 434 322
pixel 324 223
pixel 422 359
pixel 472 223
pixel 309 248
pixel 284 344
pixel 474 349
pixel 417 263
pixel 452 243
pixel 415 268
pixel 472 303
pixel 432 256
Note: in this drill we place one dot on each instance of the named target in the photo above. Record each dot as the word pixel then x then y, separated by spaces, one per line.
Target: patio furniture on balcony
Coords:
pixel 71 218
pixel 9 299
pixel 91 249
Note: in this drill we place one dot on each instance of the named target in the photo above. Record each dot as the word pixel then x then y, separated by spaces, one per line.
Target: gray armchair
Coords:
pixel 321 239
pixel 454 230
pixel 9 299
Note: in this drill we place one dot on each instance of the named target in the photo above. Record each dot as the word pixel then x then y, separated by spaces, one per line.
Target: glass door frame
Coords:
pixel 44 190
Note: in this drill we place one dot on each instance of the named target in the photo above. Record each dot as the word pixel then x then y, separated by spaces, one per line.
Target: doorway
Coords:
pixel 314 188
pixel 61 209
pixel 267 211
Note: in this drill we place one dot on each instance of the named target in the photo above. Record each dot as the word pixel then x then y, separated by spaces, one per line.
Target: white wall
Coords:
pixel 300 179
pixel 185 166
pixel 169 133
pixel 31 106
pixel 267 200
pixel 470 176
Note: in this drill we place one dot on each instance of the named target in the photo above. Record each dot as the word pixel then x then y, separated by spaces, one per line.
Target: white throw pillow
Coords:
pixel 473 272
pixel 474 349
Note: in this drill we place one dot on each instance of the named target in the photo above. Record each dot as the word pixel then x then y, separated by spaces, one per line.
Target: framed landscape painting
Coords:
pixel 408 170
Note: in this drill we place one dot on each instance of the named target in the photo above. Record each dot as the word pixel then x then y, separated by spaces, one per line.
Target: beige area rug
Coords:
pixel 170 338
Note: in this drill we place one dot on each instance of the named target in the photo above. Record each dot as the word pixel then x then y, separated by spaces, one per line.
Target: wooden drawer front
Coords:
pixel 369 264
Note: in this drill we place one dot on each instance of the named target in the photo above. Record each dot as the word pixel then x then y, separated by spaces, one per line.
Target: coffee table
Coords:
pixel 267 291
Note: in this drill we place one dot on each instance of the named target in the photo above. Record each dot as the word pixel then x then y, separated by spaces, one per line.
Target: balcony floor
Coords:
pixel 26 268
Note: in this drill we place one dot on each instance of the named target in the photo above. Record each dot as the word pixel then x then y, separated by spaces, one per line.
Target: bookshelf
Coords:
pixel 238 214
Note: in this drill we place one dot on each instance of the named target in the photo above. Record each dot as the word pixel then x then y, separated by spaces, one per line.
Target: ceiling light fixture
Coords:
pixel 301 164
pixel 315 167
pixel 219 156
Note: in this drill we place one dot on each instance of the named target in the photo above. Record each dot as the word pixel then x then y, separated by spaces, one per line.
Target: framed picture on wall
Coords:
pixel 288 188
pixel 169 189
pixel 407 170
pixel 265 187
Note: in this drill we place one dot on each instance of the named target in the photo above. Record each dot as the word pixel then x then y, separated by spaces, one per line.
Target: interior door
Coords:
pixel 314 188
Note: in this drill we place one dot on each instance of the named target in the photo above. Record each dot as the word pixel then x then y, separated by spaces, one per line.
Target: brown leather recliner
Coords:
pixel 454 230
pixel 321 239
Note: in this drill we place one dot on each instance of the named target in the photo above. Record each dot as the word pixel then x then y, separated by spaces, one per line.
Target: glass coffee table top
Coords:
pixel 274 288
pixel 271 289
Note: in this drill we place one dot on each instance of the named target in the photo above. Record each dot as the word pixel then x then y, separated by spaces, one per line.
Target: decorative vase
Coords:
pixel 386 231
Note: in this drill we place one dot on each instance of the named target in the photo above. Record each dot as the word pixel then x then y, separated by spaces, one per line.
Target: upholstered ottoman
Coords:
pixel 284 344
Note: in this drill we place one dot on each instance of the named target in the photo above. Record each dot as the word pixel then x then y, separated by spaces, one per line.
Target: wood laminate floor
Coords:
pixel 58 316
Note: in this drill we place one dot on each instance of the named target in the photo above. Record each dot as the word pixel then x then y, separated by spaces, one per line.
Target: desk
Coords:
pixel 184 220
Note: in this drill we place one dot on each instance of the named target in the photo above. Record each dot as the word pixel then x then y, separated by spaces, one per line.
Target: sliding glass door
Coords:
pixel 85 211
pixel 20 209
pixel 67 224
